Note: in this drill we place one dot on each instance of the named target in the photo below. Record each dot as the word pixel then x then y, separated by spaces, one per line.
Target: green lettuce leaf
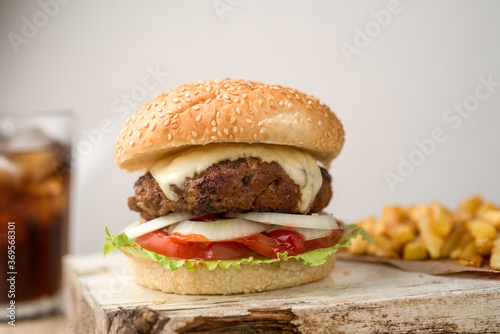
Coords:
pixel 312 258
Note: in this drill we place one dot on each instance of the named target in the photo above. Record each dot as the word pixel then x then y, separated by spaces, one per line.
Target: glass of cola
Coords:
pixel 34 209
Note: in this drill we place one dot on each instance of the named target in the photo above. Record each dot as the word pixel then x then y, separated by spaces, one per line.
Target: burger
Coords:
pixel 235 181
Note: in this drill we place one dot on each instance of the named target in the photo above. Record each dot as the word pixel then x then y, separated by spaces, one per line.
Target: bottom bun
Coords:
pixel 249 278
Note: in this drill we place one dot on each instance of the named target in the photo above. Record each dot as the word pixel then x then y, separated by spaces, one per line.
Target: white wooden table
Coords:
pixel 355 298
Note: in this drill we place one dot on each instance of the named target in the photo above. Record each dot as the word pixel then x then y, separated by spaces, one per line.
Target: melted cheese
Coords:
pixel 299 165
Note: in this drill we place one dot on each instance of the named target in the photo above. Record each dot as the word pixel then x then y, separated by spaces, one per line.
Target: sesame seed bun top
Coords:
pixel 228 111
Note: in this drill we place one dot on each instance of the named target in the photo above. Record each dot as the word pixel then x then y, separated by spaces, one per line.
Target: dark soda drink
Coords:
pixel 34 212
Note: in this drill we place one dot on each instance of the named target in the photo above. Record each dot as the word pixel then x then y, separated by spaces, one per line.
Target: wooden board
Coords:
pixel 356 298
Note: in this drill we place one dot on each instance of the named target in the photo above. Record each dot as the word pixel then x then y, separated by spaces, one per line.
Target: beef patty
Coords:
pixel 246 184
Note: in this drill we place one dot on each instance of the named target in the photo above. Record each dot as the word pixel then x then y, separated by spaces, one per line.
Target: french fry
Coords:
pixel 442 220
pixel 401 233
pixel 465 239
pixel 481 229
pixel 495 254
pixel 483 245
pixel 358 246
pixel 491 215
pixel 415 251
pixel 469 256
pixel 382 247
pixel 452 240
pixel 368 225
pixel 433 243
pixel 467 209
pixel 393 214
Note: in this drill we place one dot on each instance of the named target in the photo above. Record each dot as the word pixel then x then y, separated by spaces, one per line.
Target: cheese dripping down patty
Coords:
pixel 299 165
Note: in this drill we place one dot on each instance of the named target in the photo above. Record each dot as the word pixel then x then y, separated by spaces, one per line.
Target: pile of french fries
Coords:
pixel 470 235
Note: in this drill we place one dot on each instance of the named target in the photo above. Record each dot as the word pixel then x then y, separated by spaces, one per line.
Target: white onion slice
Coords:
pixel 225 229
pixel 323 221
pixel 308 233
pixel 136 230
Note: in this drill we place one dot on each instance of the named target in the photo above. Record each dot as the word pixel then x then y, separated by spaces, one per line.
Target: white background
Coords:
pixel 394 91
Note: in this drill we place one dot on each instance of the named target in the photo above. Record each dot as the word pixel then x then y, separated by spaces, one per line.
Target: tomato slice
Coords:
pixel 268 244
pixel 173 246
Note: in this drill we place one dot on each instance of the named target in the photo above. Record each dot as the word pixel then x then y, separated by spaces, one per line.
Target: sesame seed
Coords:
pixel 270 121
pixel 161 115
pixel 169 137
pixel 196 107
pixel 214 123
pixel 289 105
pixel 232 120
pixel 167 121
pixel 255 136
pixel 188 99
pixel 163 102
pixel 194 134
pixel 226 85
pixel 280 116
pixel 236 100
pixel 187 94
pixel 309 102
pixel 249 121
pixel 196 93
pixel 141 117
pixel 208 101
pixel 281 103
pixel 319 123
pixel 244 95
pixel 176 115
pixel 309 119
pixel 226 131
pixel 242 130
pixel 213 137
pixel 260 102
pixel 235 129
pixel 176 100
pixel 129 132
pixel 179 106
pixel 219 133
pixel 148 107
pixel 231 137
pixel 183 89
pixel 238 110
pixel 169 111
pixel 132 143
pixel 198 118
pixel 175 126
pixel 193 142
pixel 214 129
pixel 145 124
pixel 260 123
pixel 262 129
pixel 208 89
pixel 152 127
pixel 139 134
pixel 152 116
pixel 218 114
